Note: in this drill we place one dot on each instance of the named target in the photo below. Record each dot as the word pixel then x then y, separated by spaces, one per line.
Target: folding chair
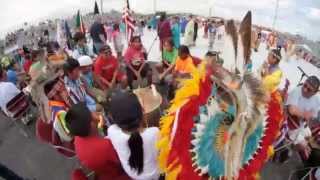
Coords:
pixel 46 133
pixel 17 108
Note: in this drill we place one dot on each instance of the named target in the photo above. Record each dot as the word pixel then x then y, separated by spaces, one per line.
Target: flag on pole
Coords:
pixel 79 23
pixel 96 8
pixel 61 35
pixel 128 20
pixel 68 34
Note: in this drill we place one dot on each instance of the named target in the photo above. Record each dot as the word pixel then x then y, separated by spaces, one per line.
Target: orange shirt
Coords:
pixel 184 66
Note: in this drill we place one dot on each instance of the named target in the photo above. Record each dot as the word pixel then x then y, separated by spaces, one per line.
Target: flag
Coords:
pixel 128 20
pixel 96 8
pixel 79 23
pixel 68 34
pixel 61 35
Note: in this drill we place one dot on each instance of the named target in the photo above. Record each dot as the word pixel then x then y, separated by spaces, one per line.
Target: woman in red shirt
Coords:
pixel 135 58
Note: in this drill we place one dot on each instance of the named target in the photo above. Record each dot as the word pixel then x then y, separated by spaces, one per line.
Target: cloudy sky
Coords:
pixel 295 16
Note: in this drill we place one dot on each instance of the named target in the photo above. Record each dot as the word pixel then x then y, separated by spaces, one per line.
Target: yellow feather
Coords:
pixel 173 174
pixel 189 88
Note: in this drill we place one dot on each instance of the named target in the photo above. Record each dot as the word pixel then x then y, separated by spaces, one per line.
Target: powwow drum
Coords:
pixel 151 101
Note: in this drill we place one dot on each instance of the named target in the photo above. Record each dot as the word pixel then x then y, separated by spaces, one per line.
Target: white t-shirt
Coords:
pixel 7 92
pixel 119 141
pixel 295 98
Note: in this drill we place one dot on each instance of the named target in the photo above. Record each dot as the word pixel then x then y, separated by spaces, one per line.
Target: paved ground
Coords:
pixel 33 159
pixel 29 157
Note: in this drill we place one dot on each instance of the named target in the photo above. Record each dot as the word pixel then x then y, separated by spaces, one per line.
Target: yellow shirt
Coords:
pixel 184 66
pixel 271 81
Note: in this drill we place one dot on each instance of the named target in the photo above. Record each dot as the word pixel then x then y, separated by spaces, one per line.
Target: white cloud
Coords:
pixel 16 12
pixel 314 14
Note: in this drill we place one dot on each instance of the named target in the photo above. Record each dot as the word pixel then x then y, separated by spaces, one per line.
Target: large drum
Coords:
pixel 151 102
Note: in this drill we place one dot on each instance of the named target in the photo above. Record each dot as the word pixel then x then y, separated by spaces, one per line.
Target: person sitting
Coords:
pixel 303 107
pixel 81 49
pixel 100 157
pixel 90 80
pixel 271 73
pixel 107 68
pixel 75 87
pixel 7 91
pixel 135 57
pixel 169 56
pixel 54 130
pixel 185 64
pixel 134 144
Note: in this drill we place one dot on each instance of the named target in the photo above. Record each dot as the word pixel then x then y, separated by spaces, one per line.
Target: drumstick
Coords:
pixel 154 91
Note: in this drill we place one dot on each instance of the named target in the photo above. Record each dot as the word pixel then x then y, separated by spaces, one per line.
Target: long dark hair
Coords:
pixel 135 143
pixel 126 112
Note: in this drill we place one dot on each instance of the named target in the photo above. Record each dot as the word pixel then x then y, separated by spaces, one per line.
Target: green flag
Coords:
pixel 79 23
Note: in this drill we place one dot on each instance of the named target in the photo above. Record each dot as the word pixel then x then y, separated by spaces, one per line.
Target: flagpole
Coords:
pixel 101 5
pixel 155 6
pixel 275 15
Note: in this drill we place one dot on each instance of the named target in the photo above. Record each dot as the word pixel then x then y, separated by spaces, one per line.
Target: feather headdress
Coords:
pixel 220 125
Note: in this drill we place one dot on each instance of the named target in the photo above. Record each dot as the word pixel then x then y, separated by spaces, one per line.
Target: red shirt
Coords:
pixel 98 155
pixel 26 66
pixel 132 54
pixel 106 67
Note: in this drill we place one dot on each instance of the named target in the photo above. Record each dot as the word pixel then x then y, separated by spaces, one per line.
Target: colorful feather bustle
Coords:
pixel 272 129
pixel 174 158
pixel 217 131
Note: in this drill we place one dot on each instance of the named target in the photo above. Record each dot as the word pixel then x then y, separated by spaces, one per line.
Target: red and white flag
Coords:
pixel 128 20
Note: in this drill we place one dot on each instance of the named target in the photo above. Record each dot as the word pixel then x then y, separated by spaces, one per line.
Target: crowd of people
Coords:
pixel 86 97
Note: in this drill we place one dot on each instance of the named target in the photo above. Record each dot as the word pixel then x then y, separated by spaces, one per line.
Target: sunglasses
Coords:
pixel 309 88
pixel 107 51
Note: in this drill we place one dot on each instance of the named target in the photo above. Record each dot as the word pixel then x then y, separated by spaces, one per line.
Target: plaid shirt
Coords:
pixel 75 89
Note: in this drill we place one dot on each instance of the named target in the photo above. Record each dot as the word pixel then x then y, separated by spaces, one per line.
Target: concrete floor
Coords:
pixel 29 157
pixel 33 159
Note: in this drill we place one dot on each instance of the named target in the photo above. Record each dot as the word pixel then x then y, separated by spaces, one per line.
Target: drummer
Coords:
pixel 169 56
pixel 75 87
pixel 107 68
pixel 90 80
pixel 185 63
pixel 135 58
pixel 303 106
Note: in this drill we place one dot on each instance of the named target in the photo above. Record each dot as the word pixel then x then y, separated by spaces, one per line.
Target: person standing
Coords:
pixel 176 32
pixel 183 24
pixel 219 41
pixel 164 30
pixel 98 34
pixel 81 48
pixel 117 40
pixel 189 32
pixel 212 34
pixel 271 73
pixel 206 28
pixel 195 35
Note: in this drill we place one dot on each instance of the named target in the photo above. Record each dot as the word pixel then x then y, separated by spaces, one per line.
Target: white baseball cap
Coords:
pixel 85 61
